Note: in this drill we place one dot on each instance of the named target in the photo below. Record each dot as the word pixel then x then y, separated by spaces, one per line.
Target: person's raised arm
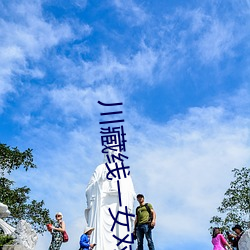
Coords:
pixel 224 241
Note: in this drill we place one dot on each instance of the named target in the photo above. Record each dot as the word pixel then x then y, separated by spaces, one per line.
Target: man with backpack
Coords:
pixel 144 223
pixel 239 232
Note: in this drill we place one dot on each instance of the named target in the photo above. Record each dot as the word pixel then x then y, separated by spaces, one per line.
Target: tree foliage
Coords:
pixel 11 159
pixel 235 207
pixel 6 240
pixel 17 199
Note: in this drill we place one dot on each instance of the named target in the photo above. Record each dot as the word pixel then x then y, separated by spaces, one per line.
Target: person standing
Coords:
pixel 85 239
pixel 143 227
pixel 218 240
pixel 239 231
pixel 56 231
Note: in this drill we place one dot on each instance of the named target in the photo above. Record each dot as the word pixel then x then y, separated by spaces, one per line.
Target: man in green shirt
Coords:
pixel 144 222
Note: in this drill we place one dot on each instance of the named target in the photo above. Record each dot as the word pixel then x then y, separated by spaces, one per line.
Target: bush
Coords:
pixel 6 240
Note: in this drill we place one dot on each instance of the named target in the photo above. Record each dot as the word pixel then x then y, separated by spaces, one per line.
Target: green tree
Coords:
pixel 17 199
pixel 235 207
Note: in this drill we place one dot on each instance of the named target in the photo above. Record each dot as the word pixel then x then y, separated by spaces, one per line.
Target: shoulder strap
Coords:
pixel 137 210
pixel 148 208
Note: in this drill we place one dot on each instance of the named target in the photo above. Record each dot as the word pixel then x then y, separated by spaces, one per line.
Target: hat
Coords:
pixel 140 195
pixel 237 227
pixel 59 213
pixel 87 229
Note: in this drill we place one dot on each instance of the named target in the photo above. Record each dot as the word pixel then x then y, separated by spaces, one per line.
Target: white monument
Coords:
pixel 101 195
pixel 244 242
pixel 4 212
pixel 24 236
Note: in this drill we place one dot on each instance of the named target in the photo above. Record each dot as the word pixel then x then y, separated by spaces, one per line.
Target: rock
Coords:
pixel 244 242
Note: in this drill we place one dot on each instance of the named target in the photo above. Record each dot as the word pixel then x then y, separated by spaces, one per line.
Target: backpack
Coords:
pixel 150 218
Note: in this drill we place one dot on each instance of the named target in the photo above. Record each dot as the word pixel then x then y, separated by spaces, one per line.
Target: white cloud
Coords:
pixel 30 32
pixel 198 19
pixel 25 35
pixel 10 57
pixel 184 168
pixel 217 42
pixel 75 101
pixel 131 12
pixel 105 69
pixel 240 100
pixel 121 71
pixel 198 33
pixel 80 3
pixel 143 63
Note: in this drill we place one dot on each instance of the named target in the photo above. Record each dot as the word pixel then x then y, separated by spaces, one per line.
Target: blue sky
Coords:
pixel 181 69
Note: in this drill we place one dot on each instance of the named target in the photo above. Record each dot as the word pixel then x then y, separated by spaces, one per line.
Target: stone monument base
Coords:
pixel 13 247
